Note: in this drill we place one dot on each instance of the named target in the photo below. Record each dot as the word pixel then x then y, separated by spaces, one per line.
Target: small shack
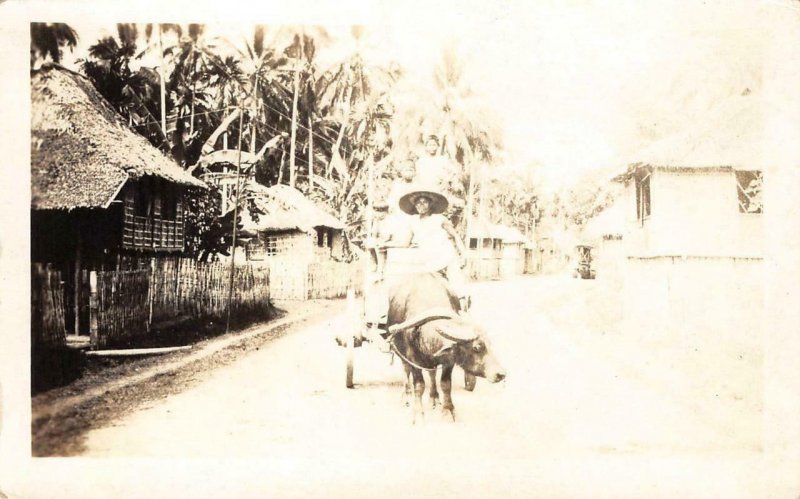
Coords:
pixel 289 225
pixel 484 250
pixel 605 232
pixel 302 244
pixel 512 257
pixel 103 198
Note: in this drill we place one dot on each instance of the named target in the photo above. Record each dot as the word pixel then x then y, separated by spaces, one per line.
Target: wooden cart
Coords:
pixel 371 310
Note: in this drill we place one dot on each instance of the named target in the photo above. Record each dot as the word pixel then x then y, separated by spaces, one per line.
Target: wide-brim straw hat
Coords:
pixel 408 200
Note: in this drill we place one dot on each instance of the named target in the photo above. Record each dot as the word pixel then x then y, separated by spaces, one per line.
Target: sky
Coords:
pixel 578 85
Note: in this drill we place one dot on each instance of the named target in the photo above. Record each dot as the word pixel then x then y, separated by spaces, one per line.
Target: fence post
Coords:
pixel 150 293
pixel 94 309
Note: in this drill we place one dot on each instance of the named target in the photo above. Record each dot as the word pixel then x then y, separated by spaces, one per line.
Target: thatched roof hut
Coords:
pixel 82 151
pixel 290 225
pixel 286 208
pixel 510 235
pixel 479 228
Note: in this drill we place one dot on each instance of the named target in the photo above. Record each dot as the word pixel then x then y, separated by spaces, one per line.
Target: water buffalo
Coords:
pixel 428 330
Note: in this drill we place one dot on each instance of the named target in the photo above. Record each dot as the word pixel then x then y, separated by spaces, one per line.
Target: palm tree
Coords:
pixel 355 115
pixel 254 80
pixel 49 40
pixel 158 45
pixel 301 51
pixel 198 77
pixel 457 115
pixel 130 92
pixel 345 89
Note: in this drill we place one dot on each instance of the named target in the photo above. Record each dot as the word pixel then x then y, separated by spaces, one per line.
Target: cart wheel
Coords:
pixel 351 348
pixel 469 381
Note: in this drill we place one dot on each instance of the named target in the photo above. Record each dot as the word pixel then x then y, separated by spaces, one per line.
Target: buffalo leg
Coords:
pixel 447 384
pixel 469 381
pixel 433 392
pixel 419 389
pixel 406 400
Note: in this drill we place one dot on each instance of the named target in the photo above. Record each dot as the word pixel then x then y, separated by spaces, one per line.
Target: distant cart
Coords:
pixel 584 268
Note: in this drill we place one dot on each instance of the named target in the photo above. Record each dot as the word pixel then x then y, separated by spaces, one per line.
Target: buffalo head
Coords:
pixel 468 346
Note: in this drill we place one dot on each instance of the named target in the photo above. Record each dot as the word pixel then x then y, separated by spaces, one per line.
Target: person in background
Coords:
pixel 433 169
pixel 378 238
pixel 399 223
pixel 406 171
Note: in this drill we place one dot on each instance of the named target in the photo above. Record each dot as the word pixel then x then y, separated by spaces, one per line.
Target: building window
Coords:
pixel 321 237
pixel 643 198
pixel 169 202
pixel 255 250
pixel 473 243
pixel 271 245
pixel 143 199
pixel 748 189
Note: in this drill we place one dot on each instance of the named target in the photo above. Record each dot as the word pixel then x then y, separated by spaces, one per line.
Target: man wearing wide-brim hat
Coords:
pixel 440 247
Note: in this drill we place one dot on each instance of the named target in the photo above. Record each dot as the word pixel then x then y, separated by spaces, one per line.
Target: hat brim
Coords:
pixel 438 202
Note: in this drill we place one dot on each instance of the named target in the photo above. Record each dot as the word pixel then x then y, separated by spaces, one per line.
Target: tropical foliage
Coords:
pixel 49 39
pixel 513 199
pixel 319 127
pixel 467 129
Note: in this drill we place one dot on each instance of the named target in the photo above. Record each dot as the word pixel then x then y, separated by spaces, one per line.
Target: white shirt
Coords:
pixel 433 241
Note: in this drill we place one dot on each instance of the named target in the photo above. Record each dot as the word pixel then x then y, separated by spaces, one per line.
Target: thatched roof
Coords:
pixel 483 229
pixel 82 151
pixel 480 228
pixel 510 235
pixel 734 135
pixel 286 208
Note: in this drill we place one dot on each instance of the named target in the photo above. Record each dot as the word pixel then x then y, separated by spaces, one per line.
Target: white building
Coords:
pixel 512 256
pixel 693 236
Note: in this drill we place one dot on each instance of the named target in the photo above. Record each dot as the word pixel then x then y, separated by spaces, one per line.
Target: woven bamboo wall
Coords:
pixel 118 306
pixel 479 269
pixel 47 307
pixel 124 304
pixel 294 280
pixel 332 279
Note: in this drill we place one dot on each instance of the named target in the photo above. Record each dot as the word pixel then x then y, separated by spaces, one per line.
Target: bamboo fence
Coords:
pixel 47 307
pixel 124 304
pixel 482 268
pixel 332 279
pixel 118 306
pixel 288 278
pixel 292 280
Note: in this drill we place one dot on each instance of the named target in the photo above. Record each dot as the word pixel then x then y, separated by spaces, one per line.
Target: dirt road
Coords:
pixel 564 419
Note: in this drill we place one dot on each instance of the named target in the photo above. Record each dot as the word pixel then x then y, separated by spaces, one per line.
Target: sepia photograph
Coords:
pixel 481 249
